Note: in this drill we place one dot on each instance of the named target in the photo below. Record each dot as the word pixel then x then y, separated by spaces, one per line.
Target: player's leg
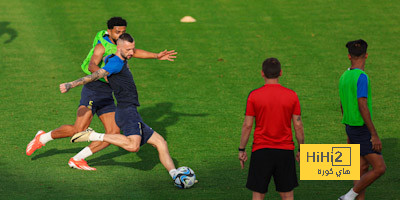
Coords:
pixel 261 169
pixel 287 195
pixel 364 165
pixel 157 141
pixel 285 176
pixel 361 135
pixel 378 169
pixel 258 196
pixel 128 120
pixel 78 161
pixel 108 120
pixel 84 117
pixel 130 143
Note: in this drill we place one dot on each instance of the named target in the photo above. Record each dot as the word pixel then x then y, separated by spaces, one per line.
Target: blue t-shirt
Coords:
pixel 114 64
pixel 121 81
pixel 362 86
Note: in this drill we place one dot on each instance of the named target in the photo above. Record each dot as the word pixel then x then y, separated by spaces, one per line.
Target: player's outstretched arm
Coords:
pixel 65 87
pixel 299 131
pixel 163 55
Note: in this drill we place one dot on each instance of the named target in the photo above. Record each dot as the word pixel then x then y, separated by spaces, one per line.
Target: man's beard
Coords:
pixel 124 56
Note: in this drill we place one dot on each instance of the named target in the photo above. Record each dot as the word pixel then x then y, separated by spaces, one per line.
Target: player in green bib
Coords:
pixel 96 97
pixel 109 48
pixel 355 99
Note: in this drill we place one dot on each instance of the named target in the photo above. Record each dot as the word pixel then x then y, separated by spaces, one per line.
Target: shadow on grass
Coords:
pixel 55 151
pixel 6 30
pixel 147 154
pixel 159 117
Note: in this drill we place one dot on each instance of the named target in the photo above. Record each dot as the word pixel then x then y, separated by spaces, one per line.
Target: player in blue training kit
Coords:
pixel 136 132
pixel 96 97
pixel 127 116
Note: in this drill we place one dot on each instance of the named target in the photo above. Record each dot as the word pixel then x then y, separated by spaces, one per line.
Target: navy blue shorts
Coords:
pixel 130 123
pixel 99 102
pixel 361 135
pixel 267 163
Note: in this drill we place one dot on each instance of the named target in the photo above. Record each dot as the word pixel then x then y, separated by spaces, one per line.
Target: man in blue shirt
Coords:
pixel 136 132
pixel 96 97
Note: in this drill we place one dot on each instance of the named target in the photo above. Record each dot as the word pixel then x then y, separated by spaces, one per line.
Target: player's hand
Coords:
pixel 242 158
pixel 65 87
pixel 105 78
pixel 376 144
pixel 167 55
pixel 298 156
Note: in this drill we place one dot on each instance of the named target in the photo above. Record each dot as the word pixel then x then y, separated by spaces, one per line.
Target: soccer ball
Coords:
pixel 184 178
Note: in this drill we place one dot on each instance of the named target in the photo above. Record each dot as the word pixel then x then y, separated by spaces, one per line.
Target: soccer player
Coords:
pixel 273 107
pixel 136 132
pixel 355 99
pixel 96 97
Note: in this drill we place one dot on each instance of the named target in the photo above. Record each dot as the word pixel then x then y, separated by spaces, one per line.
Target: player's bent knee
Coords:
pixel 380 170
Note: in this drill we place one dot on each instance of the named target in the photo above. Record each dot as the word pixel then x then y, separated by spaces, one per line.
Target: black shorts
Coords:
pixel 130 123
pixel 98 102
pixel 278 163
pixel 361 135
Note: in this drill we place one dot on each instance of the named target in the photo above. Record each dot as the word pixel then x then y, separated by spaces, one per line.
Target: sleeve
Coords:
pixel 113 67
pixel 362 86
pixel 250 106
pixel 296 109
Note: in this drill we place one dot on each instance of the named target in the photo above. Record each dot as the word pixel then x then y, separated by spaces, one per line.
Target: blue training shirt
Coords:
pixel 362 86
pixel 121 81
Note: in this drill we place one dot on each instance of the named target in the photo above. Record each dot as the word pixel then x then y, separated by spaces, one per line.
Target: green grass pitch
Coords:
pixel 197 102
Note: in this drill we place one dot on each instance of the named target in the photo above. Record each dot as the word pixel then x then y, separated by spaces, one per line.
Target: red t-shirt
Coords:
pixel 273 106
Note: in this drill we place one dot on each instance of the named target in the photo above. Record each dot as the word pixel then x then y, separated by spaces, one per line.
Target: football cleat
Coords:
pixel 82 136
pixel 35 143
pixel 80 164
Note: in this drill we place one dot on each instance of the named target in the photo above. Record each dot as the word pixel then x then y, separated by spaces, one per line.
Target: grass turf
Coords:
pixel 197 102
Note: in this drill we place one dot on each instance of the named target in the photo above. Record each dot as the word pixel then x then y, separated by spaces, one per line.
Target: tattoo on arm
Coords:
pixel 90 78
pixel 298 118
pixel 68 86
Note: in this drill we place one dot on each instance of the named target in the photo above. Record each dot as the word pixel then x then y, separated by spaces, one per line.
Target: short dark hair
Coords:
pixel 357 48
pixel 126 37
pixel 271 68
pixel 116 21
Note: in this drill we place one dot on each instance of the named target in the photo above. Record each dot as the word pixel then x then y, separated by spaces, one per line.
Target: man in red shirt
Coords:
pixel 273 107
